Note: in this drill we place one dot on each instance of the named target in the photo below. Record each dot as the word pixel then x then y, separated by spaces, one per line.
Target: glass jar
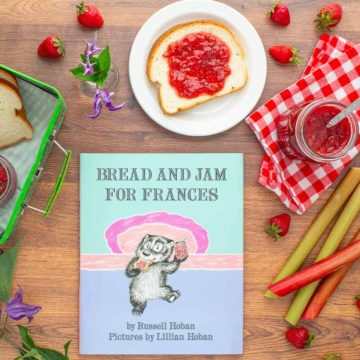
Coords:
pixel 8 181
pixel 88 88
pixel 302 132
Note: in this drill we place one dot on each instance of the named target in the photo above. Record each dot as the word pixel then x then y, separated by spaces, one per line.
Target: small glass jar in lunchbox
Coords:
pixel 302 132
pixel 8 181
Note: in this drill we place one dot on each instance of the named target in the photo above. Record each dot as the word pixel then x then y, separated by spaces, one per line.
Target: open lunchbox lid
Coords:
pixel 45 109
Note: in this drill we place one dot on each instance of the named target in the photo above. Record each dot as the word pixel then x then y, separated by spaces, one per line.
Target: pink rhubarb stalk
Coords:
pixel 326 289
pixel 317 270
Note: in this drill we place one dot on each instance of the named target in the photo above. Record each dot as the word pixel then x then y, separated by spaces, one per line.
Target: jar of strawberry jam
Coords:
pixel 8 181
pixel 302 132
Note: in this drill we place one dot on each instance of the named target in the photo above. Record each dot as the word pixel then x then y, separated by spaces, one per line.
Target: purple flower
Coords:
pixel 91 48
pixel 90 51
pixel 103 97
pixel 88 68
pixel 17 310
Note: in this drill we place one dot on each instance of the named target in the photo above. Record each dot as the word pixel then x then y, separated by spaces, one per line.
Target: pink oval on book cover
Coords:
pixel 123 235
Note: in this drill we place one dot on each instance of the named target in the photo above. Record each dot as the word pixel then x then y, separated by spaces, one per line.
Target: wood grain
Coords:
pixel 48 266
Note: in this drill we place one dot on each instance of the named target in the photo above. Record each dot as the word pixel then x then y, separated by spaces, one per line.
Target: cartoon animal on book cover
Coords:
pixel 149 270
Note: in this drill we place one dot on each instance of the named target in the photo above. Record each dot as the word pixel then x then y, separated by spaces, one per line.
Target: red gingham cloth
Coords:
pixel 333 71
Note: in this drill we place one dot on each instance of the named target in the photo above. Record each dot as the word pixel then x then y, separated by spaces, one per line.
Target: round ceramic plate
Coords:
pixel 216 115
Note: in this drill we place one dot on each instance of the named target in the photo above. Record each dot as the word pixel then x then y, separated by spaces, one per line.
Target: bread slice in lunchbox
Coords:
pixel 14 125
pixel 158 67
pixel 5 75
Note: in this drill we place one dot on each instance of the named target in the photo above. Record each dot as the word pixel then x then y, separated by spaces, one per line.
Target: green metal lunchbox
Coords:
pixel 45 109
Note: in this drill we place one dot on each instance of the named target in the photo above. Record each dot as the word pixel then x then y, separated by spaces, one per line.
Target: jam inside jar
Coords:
pixel 302 132
pixel 8 181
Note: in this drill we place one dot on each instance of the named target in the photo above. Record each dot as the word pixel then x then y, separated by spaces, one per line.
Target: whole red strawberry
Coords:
pixel 89 16
pixel 357 301
pixel 285 54
pixel 51 47
pixel 280 13
pixel 328 16
pixel 278 226
pixel 299 337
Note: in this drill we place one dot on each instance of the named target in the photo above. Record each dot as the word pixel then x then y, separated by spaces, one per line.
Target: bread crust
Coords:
pixel 20 113
pixel 163 37
pixel 9 74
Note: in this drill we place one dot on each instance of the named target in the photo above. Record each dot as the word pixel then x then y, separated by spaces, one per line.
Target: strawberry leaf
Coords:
pixel 274 231
pixel 309 340
pixel 81 8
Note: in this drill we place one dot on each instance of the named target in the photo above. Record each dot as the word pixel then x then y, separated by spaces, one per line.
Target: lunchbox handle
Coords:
pixel 58 183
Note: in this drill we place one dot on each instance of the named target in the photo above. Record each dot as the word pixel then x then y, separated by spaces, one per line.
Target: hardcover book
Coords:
pixel 161 254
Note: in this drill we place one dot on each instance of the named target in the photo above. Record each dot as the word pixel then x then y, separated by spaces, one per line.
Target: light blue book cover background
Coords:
pixel 161 254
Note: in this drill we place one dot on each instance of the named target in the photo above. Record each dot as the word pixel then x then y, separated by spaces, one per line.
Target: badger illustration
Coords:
pixel 149 269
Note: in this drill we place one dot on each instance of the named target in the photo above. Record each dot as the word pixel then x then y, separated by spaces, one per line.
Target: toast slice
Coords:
pixel 5 75
pixel 158 67
pixel 14 125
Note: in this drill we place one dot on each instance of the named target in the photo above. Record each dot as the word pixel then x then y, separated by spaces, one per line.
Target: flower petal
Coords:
pixel 17 310
pixel 112 107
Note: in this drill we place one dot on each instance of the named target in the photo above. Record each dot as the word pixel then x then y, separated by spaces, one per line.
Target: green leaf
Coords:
pixel 26 338
pixel 66 348
pixel 7 267
pixel 49 354
pixel 32 349
pixel 78 72
pixel 104 62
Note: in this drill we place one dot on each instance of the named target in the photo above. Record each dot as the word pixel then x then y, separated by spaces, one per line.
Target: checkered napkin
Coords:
pixel 332 72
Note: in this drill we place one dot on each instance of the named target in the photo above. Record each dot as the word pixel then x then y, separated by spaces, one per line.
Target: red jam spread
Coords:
pixel 199 64
pixel 3 180
pixel 322 140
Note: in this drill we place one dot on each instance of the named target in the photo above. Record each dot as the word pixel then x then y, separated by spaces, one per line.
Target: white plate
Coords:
pixel 216 115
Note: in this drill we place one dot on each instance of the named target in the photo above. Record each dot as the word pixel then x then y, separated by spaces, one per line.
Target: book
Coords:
pixel 161 254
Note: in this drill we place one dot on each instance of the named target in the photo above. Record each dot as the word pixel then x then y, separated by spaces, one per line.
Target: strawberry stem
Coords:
pixel 274 231
pixel 272 9
pixel 324 21
pixel 59 46
pixel 309 340
pixel 81 8
pixel 295 58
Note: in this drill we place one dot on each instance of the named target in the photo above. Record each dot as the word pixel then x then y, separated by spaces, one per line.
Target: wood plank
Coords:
pixel 48 267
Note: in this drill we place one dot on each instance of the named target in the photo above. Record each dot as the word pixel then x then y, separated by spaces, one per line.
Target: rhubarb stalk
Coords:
pixel 317 270
pixel 322 221
pixel 326 289
pixel 333 241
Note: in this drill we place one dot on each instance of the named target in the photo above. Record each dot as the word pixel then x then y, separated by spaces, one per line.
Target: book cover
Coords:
pixel 161 254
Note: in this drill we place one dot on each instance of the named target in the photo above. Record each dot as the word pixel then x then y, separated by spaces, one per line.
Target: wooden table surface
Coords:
pixel 48 265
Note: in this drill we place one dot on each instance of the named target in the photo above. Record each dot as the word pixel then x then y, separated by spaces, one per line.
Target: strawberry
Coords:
pixel 278 226
pixel 328 16
pixel 51 47
pixel 357 301
pixel 279 13
pixel 285 54
pixel 299 337
pixel 89 16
